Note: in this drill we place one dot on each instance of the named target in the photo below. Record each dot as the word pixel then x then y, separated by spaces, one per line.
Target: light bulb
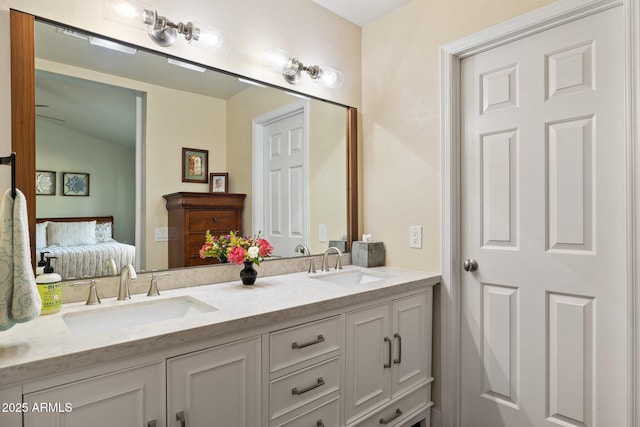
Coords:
pixel 276 59
pixel 207 37
pixel 129 12
pixel 330 77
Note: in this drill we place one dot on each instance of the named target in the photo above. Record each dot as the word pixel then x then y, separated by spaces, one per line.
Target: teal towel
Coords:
pixel 19 298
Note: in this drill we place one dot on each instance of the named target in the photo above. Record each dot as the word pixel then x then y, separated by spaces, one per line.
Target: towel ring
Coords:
pixel 11 160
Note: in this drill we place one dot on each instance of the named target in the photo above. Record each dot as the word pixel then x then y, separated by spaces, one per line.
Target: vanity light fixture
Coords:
pixel 292 68
pixel 163 31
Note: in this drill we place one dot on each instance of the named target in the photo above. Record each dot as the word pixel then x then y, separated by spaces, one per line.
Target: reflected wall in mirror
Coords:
pixel 124 119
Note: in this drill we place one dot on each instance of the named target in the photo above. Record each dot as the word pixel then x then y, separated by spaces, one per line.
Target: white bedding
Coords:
pixel 89 260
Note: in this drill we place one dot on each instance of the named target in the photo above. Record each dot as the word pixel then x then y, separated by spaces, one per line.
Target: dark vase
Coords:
pixel 248 274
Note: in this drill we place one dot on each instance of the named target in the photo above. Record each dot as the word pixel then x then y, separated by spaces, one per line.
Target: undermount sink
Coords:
pixel 352 277
pixel 121 317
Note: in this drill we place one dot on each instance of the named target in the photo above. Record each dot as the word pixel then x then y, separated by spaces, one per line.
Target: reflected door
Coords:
pixel 285 183
pixel 544 315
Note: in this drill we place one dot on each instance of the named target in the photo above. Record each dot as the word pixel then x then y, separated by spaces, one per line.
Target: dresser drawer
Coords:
pixel 324 415
pixel 303 387
pixel 397 412
pixel 294 345
pixel 221 220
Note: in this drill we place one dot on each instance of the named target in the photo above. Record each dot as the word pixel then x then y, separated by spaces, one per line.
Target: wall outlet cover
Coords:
pixel 415 236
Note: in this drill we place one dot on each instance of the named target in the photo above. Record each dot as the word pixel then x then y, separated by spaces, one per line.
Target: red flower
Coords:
pixel 265 248
pixel 237 255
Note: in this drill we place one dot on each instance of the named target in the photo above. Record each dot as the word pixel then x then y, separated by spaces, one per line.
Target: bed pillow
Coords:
pixel 103 232
pixel 41 235
pixel 71 233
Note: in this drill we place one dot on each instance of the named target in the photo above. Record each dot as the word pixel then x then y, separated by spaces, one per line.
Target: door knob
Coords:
pixel 470 264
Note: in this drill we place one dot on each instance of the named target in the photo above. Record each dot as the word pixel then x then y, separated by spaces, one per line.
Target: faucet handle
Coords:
pixel 339 262
pixel 312 266
pixel 93 297
pixel 153 287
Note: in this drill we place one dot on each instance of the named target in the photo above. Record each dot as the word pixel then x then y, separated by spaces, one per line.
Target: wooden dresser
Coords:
pixel 191 215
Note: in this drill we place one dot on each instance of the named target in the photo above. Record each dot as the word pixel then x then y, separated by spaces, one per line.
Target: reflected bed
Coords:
pixel 83 246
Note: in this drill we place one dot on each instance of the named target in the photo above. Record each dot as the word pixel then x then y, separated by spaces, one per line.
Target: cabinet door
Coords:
pixel 412 333
pixel 368 353
pixel 217 387
pixel 133 397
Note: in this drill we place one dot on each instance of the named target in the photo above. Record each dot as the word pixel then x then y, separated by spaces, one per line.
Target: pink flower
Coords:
pixel 237 255
pixel 265 248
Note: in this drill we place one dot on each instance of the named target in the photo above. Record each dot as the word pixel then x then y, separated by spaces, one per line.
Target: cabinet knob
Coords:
pixel 214 219
pixel 151 423
pixel 319 423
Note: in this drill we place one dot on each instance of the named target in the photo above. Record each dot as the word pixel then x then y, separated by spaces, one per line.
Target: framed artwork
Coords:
pixel 218 182
pixel 195 165
pixel 45 183
pixel 75 184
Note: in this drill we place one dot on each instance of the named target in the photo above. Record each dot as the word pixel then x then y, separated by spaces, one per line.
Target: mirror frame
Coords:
pixel 23 125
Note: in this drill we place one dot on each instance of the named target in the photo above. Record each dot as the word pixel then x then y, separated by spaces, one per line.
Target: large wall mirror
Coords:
pixel 119 121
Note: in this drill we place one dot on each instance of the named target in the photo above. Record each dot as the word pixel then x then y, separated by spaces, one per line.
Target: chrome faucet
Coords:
pixel 325 267
pixel 303 249
pixel 126 275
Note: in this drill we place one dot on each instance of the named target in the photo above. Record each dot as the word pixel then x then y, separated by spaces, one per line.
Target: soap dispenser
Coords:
pixel 50 289
pixel 41 264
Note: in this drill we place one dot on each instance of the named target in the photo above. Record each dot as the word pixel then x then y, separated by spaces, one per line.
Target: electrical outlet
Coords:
pixel 415 236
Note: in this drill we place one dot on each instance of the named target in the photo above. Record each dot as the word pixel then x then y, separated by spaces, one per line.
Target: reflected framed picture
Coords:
pixel 195 165
pixel 45 183
pixel 218 182
pixel 75 184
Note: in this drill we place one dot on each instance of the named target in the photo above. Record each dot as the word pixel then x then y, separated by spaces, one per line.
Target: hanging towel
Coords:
pixel 19 298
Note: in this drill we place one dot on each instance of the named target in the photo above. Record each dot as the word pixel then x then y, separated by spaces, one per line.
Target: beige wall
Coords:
pixel 401 118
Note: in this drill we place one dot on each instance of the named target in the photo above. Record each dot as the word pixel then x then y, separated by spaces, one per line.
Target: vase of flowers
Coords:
pixel 238 250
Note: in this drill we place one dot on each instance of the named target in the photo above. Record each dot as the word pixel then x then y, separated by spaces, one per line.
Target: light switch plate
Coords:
pixel 161 234
pixel 322 233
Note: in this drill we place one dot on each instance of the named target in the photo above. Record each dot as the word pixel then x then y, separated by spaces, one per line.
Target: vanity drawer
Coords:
pixel 218 219
pixel 303 387
pixel 397 412
pixel 325 415
pixel 290 346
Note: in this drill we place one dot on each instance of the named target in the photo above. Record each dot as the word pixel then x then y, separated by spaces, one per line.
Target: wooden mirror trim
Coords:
pixel 23 125
pixel 23 110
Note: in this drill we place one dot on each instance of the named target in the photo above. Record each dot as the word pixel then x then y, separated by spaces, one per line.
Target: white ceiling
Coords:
pixel 361 12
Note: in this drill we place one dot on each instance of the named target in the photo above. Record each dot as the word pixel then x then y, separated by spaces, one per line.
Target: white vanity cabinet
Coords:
pixel 305 374
pixel 130 397
pixel 388 361
pixel 216 387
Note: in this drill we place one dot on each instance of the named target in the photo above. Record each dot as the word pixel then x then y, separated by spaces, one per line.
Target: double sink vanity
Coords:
pixel 348 347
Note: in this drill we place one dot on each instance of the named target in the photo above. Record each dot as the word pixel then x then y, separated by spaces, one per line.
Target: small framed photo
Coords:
pixel 45 183
pixel 219 182
pixel 195 165
pixel 75 184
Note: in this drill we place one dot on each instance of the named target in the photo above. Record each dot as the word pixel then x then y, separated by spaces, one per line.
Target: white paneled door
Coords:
pixel 544 314
pixel 285 183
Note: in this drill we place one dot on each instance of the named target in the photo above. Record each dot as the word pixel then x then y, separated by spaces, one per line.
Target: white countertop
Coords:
pixel 45 345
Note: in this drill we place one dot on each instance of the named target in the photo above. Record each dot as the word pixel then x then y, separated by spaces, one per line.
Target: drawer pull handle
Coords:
pixel 180 417
pixel 319 423
pixel 399 359
pixel 393 417
pixel 151 423
pixel 214 219
pixel 389 356
pixel 297 392
pixel 318 340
